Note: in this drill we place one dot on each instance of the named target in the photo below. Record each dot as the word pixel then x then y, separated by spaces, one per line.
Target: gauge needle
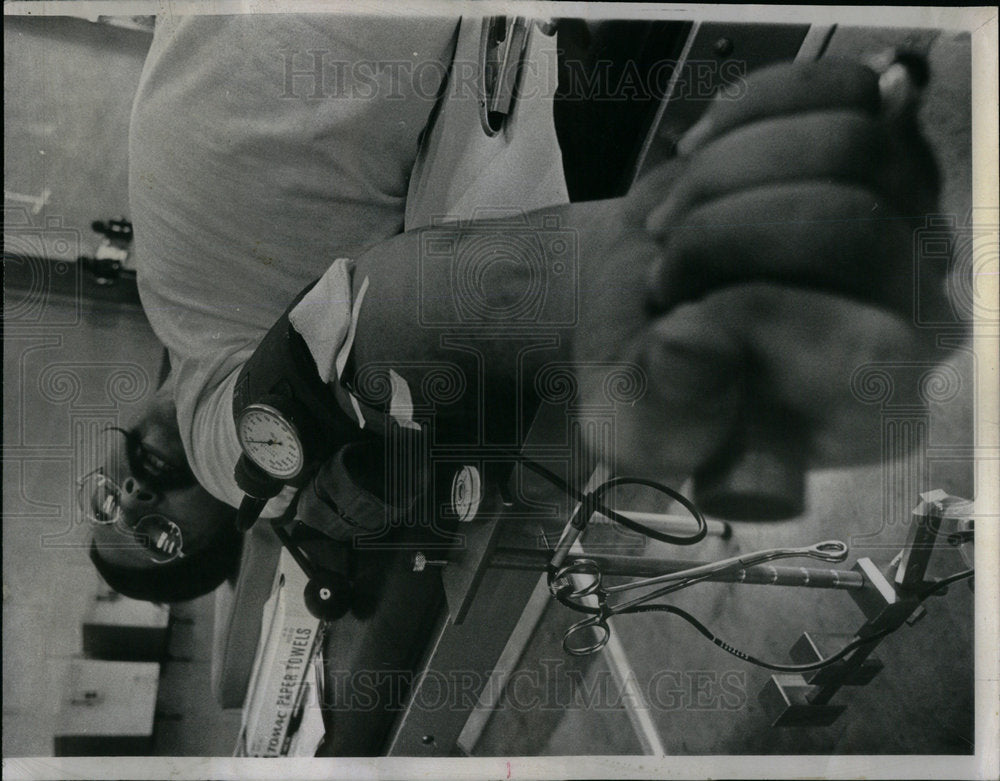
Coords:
pixel 263 441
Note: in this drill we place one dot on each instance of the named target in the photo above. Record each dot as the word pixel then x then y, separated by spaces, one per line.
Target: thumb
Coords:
pixel 903 77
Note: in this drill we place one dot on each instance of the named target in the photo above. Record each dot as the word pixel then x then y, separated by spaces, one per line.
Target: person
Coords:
pixel 757 268
pixel 269 152
pixel 141 493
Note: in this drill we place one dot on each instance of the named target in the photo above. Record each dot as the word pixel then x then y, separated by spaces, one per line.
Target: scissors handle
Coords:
pixel 828 550
pixel 601 630
pixel 576 567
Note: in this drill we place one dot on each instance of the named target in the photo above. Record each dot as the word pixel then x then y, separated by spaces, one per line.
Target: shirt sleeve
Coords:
pixel 327 320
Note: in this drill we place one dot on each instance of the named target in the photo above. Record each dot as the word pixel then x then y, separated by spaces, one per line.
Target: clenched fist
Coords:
pixel 761 267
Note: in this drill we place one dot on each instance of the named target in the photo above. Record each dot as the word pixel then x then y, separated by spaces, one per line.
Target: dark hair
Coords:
pixel 179 580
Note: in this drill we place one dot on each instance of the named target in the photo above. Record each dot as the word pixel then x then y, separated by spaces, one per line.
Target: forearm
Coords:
pixel 487 302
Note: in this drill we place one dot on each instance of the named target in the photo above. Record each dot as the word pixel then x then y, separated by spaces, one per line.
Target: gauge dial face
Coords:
pixel 270 440
pixel 466 493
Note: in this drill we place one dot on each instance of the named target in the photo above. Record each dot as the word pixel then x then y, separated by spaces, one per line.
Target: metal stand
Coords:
pixel 804 700
pixel 506 574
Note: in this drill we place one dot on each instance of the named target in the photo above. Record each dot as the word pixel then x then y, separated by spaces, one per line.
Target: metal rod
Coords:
pixel 670 523
pixel 741 562
pixel 644 566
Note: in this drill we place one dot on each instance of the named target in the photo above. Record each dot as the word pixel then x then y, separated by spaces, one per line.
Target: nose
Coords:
pixel 135 496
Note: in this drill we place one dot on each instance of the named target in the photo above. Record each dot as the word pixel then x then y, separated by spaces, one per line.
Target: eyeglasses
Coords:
pixel 100 499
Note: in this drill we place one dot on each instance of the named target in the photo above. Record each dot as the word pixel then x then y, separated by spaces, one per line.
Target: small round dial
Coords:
pixel 270 440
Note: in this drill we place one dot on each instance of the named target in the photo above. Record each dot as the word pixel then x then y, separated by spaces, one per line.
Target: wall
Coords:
pixel 68 88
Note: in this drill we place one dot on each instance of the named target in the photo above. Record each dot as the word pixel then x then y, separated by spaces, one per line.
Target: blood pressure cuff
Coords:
pixel 282 367
pixel 354 496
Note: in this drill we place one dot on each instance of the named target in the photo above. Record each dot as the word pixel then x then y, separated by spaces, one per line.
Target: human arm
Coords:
pixel 762 267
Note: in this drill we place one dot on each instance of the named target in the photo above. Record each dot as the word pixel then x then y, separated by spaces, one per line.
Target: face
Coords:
pixel 150 497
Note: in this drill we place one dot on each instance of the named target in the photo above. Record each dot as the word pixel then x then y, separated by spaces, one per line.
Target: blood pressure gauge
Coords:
pixel 270 440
